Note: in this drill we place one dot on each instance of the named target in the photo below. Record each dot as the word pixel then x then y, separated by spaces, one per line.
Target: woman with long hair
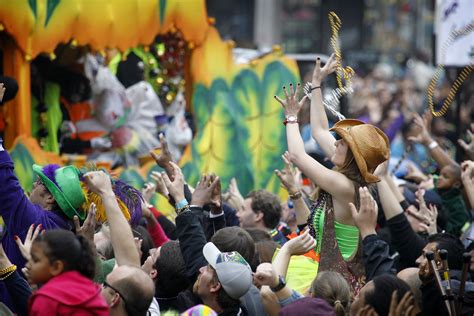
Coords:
pixel 356 150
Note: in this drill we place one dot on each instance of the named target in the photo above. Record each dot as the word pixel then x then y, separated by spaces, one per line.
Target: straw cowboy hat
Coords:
pixel 369 145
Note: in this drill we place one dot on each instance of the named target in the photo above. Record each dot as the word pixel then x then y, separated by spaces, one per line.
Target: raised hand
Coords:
pixel 234 190
pixel 265 275
pixel 382 169
pixel 216 199
pixel 427 214
pixel 415 174
pixel 291 105
pixel 88 227
pixel 288 175
pixel 98 182
pixel 366 218
pixel 148 191
pixel 175 186
pixel 25 247
pixel 427 184
pixel 468 147
pixel 424 123
pixel 467 173
pixel 160 184
pixel 164 158
pixel 406 305
pixel 204 190
pixel 320 73
pixel 299 245
pixel 367 310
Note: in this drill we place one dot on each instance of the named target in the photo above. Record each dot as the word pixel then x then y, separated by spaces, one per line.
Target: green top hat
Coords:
pixel 68 195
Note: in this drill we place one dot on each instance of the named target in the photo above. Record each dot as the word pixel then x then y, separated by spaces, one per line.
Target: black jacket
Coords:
pixel 408 243
pixel 376 256
pixel 192 240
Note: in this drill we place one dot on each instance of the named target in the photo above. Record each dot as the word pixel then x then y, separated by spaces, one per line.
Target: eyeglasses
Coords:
pixel 105 284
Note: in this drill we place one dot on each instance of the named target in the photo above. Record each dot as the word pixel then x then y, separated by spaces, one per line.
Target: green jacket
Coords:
pixel 457 212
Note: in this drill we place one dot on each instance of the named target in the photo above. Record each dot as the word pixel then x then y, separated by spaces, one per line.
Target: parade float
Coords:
pixel 238 131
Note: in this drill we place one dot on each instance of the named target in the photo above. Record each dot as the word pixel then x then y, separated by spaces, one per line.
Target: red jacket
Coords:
pixel 70 293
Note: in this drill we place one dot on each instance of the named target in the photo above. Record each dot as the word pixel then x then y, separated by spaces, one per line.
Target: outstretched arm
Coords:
pixel 287 178
pixel 467 177
pixel 331 181
pixel 120 232
pixel 424 137
pixel 319 119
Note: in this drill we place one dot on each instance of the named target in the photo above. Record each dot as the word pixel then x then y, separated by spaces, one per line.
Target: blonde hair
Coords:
pixel 333 288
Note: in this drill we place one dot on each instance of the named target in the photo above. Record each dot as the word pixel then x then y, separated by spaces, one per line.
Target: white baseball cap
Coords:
pixel 233 272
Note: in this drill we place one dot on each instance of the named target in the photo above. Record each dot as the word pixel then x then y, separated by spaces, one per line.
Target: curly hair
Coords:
pixel 268 204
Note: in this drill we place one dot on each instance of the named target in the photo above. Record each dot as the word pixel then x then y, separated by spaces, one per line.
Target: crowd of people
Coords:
pixel 377 222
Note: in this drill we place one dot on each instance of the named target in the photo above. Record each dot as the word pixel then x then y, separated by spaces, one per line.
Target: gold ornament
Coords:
pixel 347 72
pixel 465 73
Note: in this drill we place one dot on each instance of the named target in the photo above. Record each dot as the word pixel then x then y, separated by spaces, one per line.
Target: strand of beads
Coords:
pixel 465 73
pixel 346 72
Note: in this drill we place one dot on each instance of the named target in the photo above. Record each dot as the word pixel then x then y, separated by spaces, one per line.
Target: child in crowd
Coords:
pixel 449 186
pixel 64 265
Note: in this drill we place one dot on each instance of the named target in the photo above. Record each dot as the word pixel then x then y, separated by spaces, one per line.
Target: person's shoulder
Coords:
pixel 186 299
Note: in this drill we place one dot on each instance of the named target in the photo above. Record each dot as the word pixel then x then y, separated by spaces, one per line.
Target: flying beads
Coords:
pixel 347 72
pixel 332 101
pixel 465 73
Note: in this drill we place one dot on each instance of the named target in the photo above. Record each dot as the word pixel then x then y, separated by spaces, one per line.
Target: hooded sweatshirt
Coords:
pixel 69 293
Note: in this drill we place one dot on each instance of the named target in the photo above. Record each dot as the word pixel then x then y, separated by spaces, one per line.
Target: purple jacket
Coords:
pixel 19 213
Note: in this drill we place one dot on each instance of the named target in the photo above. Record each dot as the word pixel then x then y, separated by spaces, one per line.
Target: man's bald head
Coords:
pixel 412 278
pixel 136 287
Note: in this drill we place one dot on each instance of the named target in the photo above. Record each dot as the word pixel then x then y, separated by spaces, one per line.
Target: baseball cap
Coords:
pixel 232 270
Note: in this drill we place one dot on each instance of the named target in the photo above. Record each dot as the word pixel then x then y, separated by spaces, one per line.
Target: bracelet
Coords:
pixel 183 209
pixel 433 145
pixel 5 273
pixel 404 204
pixel 296 196
pixel 314 88
pixel 181 204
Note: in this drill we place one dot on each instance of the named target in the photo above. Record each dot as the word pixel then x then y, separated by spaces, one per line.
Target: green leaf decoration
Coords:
pixel 219 145
pixel 240 132
pixel 32 4
pixel 267 139
pixel 51 5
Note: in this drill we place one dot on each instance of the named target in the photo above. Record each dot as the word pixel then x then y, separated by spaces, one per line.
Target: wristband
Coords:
pixel 185 208
pixel 433 145
pixel 405 205
pixel 181 204
pixel 280 286
pixel 314 88
pixel 296 196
